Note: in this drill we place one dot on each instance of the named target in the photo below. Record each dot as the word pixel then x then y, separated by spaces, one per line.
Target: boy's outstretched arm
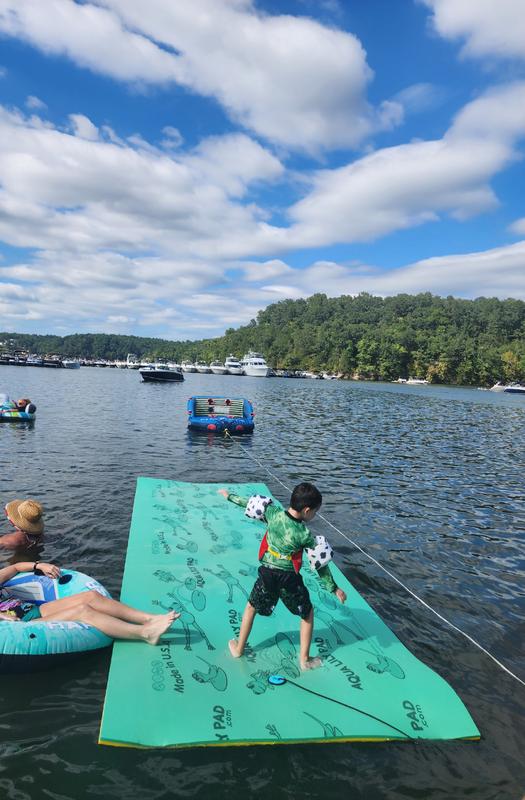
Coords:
pixel 234 498
pixel 328 583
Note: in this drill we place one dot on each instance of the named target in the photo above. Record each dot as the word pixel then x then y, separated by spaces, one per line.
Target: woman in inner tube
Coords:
pixel 113 618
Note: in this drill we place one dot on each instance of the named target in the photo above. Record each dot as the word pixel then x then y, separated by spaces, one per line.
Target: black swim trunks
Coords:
pixel 273 585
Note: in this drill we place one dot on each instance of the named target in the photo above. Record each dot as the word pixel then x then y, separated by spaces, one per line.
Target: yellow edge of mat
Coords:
pixel 110 743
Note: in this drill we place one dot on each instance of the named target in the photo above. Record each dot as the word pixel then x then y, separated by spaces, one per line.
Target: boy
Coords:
pixel 281 555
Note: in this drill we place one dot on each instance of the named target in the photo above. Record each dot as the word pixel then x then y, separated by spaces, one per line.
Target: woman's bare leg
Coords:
pixel 149 631
pixel 97 601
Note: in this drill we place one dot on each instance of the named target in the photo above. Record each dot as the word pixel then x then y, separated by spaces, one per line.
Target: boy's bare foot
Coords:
pixel 152 631
pixel 311 663
pixel 234 649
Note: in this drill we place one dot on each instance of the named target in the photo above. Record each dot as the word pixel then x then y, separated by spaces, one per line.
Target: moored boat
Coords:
pixel 202 367
pixel 34 360
pixel 71 363
pixel 55 362
pixel 218 368
pixel 254 365
pixel 188 366
pixel 233 365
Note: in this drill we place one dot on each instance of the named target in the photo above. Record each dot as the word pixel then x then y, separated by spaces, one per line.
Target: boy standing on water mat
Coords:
pixel 281 554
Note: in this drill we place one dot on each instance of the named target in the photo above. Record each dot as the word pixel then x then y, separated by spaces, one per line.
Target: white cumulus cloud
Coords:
pixel 63 191
pixel 486 27
pixel 407 185
pixel 289 79
pixel 83 127
pixel 518 227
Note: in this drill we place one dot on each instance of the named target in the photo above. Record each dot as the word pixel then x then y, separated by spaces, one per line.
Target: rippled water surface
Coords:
pixel 429 480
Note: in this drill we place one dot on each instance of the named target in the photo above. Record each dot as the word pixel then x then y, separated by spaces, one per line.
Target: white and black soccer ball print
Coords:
pixel 257 505
pixel 321 554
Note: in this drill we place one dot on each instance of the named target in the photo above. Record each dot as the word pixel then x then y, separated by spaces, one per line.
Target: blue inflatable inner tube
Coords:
pixel 34 645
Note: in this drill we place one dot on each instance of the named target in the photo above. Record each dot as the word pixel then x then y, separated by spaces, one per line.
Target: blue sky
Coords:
pixel 172 173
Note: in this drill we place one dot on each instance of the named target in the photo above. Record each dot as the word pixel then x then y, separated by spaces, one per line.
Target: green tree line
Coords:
pixel 445 340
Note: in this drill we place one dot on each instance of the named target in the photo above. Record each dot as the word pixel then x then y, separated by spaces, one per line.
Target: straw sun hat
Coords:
pixel 26 515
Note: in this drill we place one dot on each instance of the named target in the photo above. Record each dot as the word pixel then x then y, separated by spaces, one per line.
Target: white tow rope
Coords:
pixel 390 574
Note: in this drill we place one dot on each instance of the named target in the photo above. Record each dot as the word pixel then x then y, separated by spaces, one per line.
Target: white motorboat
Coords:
pixel 312 375
pixel 161 373
pixel 132 361
pixel 34 361
pixel 71 363
pixel 233 365
pixel 254 365
pixel 218 368
pixel 201 366
pixel 188 366
pixel 515 388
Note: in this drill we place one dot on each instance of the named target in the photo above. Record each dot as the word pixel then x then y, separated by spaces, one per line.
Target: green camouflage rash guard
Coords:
pixel 286 535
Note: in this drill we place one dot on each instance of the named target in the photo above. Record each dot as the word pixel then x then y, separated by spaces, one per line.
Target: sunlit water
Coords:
pixel 429 480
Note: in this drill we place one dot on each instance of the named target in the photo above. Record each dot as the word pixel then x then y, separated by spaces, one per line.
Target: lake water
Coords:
pixel 429 480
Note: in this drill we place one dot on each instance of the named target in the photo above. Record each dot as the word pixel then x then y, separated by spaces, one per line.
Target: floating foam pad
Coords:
pixel 191 550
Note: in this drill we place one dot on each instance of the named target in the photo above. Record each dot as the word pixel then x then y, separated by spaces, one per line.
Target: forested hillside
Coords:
pixel 445 340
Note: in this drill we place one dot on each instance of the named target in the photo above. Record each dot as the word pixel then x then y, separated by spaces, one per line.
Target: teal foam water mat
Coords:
pixel 191 550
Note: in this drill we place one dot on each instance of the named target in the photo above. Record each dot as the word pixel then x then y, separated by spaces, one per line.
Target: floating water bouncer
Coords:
pixel 32 646
pixel 192 551
pixel 220 413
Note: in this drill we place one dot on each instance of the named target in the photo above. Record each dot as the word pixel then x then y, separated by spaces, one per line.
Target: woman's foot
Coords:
pixel 234 648
pixel 311 663
pixel 152 631
pixel 153 617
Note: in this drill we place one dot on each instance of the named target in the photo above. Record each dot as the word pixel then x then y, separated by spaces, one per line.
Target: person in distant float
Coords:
pixel 113 618
pixel 22 403
pixel 27 518
pixel 281 555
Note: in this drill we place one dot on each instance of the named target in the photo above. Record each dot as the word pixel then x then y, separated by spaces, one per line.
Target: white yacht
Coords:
pixel 218 368
pixel 71 363
pixel 34 361
pixel 233 365
pixel 254 365
pixel 132 361
pixel 201 366
pixel 188 366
